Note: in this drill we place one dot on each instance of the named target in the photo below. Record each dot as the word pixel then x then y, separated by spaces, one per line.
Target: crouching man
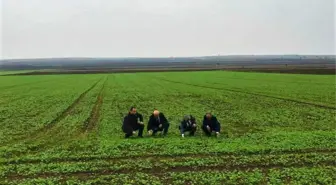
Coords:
pixel 157 122
pixel 133 122
pixel 188 124
pixel 210 124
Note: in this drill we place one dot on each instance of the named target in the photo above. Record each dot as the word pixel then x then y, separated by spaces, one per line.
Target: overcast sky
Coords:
pixel 160 28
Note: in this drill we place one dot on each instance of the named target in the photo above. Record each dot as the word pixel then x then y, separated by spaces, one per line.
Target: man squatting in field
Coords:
pixel 188 124
pixel 132 122
pixel 210 124
pixel 157 122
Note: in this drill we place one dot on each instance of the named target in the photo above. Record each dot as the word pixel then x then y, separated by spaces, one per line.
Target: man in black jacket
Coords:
pixel 157 122
pixel 132 122
pixel 210 124
pixel 188 124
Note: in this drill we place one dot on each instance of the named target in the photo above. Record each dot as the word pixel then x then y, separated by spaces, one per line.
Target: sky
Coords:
pixel 165 28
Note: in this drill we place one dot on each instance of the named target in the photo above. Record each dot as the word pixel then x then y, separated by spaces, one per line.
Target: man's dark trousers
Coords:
pixel 191 129
pixel 207 132
pixel 164 128
pixel 138 127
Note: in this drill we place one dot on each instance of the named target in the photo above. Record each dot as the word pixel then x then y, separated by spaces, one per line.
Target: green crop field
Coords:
pixel 66 129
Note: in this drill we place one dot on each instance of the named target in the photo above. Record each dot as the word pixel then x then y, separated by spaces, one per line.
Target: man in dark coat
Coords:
pixel 210 124
pixel 132 122
pixel 157 122
pixel 188 124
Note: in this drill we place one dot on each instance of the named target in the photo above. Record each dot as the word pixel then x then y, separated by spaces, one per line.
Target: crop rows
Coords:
pixel 274 130
pixel 161 165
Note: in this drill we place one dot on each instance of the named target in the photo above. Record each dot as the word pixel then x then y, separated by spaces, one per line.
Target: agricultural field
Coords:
pixel 66 129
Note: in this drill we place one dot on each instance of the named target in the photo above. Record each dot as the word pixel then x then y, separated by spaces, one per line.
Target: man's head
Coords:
pixel 133 110
pixel 156 113
pixel 208 115
pixel 186 117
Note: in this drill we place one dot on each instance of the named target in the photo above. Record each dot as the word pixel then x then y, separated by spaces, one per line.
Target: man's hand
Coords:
pixel 160 125
pixel 194 125
pixel 141 123
pixel 208 128
pixel 150 132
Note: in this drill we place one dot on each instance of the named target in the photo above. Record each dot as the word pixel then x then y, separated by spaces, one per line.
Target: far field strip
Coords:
pixel 25 84
pixel 5 91
pixel 255 94
pixel 273 80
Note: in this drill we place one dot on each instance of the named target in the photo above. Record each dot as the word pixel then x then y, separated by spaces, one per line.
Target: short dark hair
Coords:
pixel 132 108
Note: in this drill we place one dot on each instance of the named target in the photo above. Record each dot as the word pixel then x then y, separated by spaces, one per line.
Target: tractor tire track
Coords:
pixel 254 94
pixel 164 156
pixel 70 108
pixel 91 122
pixel 60 117
pixel 159 171
pixel 49 143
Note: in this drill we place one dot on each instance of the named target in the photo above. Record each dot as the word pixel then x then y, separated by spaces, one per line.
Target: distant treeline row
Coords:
pixel 198 62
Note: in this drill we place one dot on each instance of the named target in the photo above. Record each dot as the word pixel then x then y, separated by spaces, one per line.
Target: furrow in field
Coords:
pixel 93 120
pixel 159 171
pixel 255 94
pixel 161 156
